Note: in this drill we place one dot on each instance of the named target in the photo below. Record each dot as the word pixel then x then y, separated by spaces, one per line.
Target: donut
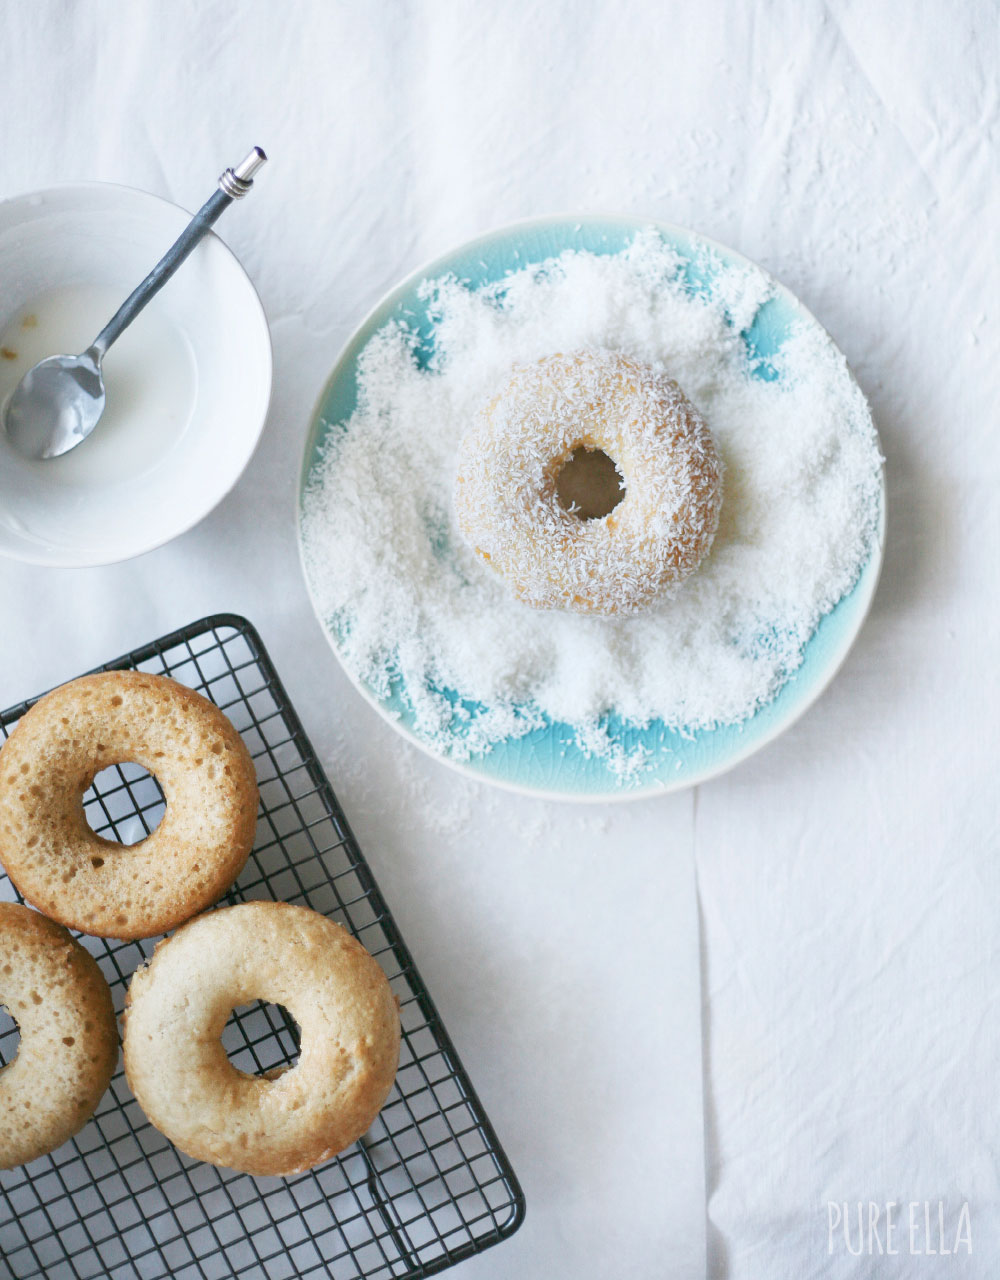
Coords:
pixel 507 504
pixel 58 997
pixel 98 886
pixel 294 1117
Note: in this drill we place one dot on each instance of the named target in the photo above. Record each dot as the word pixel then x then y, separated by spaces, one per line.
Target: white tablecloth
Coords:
pixel 847 875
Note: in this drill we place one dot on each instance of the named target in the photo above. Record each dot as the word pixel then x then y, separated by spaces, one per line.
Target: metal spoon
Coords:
pixel 59 401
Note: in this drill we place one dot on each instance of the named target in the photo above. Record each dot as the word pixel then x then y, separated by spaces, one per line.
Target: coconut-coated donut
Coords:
pixel 509 461
pixel 58 997
pixel 99 886
pixel 292 1118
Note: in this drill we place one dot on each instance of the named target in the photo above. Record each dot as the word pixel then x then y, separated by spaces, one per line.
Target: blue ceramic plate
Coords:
pixel 547 761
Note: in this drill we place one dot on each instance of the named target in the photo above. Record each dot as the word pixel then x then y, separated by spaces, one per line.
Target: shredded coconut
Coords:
pixel 415 611
pixel 506 493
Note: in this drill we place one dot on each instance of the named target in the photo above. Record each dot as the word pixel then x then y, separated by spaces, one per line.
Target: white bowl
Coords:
pixel 188 384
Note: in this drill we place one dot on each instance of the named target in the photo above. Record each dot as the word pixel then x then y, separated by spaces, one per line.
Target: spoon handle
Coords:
pixel 233 185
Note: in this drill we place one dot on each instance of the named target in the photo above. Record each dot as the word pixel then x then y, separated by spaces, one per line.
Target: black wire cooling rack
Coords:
pixel 427 1186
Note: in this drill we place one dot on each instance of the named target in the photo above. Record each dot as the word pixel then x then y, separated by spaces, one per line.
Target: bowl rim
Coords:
pixel 869 575
pixel 256 307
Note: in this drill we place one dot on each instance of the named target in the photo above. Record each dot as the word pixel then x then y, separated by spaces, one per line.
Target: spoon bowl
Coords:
pixel 60 400
pixel 56 405
pixel 187 385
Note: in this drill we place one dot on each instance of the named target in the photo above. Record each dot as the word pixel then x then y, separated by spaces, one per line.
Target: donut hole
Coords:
pixel 10 1038
pixel 589 484
pixel 260 1037
pixel 124 804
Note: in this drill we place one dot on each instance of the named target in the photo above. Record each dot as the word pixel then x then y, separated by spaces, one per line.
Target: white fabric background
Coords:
pixel 847 875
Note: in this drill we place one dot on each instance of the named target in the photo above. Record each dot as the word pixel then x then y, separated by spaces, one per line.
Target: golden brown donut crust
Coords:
pixel 58 997
pixel 99 886
pixel 290 1120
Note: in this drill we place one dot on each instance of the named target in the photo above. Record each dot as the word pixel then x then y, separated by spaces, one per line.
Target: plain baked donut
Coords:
pixel 58 997
pixel 509 462
pixel 291 1119
pixel 99 886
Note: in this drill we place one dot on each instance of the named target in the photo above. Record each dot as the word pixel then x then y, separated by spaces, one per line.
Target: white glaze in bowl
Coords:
pixel 188 384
